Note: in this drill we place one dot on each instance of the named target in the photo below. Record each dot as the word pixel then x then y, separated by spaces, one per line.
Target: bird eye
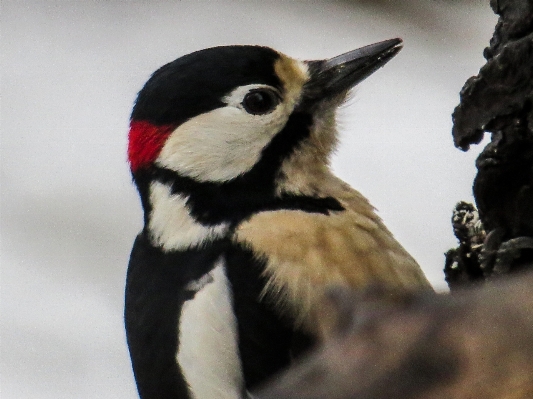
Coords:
pixel 260 102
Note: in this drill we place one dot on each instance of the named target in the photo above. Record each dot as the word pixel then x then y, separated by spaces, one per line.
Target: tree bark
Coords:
pixel 498 100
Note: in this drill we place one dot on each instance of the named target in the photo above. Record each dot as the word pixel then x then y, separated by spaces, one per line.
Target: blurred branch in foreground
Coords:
pixel 473 344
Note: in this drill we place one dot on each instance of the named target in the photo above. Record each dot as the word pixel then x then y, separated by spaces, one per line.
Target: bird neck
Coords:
pixel 181 212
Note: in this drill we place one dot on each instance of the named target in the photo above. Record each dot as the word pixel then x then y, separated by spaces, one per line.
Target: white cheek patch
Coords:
pixel 224 143
pixel 171 226
pixel 208 352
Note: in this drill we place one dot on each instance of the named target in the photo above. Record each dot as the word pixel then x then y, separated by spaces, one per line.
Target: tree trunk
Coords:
pixel 499 100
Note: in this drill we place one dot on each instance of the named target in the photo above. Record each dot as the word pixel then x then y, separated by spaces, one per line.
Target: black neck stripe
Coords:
pixel 232 201
pixel 215 203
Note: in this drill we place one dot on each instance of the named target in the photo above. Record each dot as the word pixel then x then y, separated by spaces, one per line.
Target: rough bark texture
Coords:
pixel 472 343
pixel 498 100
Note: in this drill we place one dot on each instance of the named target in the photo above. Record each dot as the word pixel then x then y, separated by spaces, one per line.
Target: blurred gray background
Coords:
pixel 69 213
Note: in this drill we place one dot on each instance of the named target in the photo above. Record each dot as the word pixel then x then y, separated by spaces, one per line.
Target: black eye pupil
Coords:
pixel 259 102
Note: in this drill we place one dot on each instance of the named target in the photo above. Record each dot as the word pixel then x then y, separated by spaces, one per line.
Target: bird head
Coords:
pixel 237 113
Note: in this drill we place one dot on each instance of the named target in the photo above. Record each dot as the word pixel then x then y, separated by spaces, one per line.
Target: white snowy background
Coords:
pixel 69 213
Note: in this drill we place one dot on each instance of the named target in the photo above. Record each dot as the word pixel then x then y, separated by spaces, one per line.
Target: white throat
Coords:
pixel 171 225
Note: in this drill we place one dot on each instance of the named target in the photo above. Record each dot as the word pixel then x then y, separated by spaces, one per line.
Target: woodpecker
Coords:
pixel 244 223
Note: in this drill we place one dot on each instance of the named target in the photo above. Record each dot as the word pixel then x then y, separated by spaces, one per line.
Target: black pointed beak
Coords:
pixel 329 78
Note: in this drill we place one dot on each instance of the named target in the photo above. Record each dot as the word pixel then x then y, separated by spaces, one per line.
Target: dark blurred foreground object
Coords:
pixel 498 100
pixel 474 343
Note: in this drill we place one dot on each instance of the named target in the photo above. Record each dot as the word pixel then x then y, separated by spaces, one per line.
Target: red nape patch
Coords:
pixel 145 142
